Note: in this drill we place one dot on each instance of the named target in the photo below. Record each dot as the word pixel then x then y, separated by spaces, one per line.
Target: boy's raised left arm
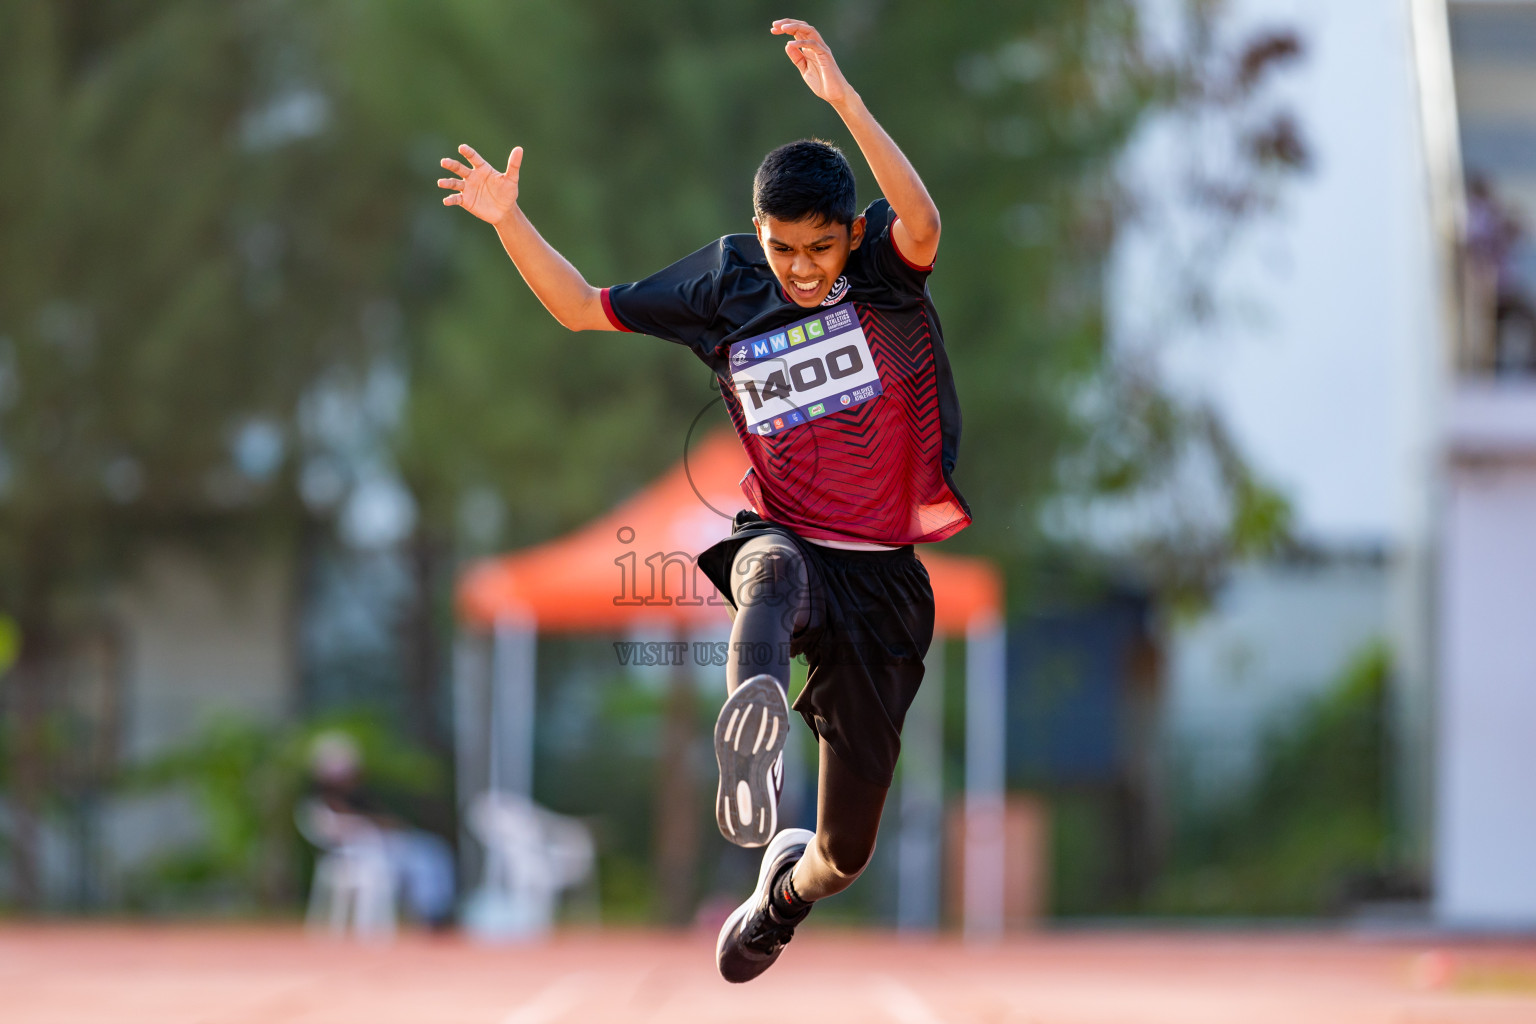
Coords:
pixel 916 233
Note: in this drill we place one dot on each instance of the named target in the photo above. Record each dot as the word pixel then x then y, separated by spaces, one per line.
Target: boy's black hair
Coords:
pixel 805 179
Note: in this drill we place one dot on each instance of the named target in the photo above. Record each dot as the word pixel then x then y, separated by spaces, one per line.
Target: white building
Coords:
pixel 1353 379
pixel 1326 364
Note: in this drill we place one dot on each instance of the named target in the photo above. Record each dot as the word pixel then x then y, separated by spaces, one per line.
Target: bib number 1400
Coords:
pixel 818 367
pixel 804 375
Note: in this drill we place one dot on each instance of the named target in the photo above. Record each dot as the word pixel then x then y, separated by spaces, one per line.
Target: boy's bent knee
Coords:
pixel 769 564
pixel 771 573
pixel 845 859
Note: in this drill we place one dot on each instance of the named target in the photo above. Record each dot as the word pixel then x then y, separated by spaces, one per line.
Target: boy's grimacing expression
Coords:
pixel 807 255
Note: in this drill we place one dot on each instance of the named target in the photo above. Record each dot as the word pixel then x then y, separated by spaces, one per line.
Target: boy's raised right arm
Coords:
pixel 491 195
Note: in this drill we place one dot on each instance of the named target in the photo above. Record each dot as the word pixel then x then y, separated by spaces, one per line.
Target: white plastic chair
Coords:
pixel 532 855
pixel 353 885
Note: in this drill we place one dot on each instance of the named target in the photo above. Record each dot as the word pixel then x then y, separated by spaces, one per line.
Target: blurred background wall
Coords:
pixel 1324 356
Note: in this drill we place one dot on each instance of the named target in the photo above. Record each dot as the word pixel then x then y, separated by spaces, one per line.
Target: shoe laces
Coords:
pixel 767 933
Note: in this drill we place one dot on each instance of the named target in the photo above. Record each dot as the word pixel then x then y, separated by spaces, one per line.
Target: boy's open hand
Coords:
pixel 480 188
pixel 814 61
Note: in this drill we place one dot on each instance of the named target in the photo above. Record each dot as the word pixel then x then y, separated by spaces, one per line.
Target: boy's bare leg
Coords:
pixel 848 809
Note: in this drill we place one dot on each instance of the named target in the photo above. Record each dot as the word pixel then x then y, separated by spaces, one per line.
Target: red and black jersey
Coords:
pixel 868 463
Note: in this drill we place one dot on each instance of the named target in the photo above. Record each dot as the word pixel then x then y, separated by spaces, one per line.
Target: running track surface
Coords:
pixel 91 974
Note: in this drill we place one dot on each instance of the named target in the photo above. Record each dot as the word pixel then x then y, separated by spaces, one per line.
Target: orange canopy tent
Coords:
pixel 634 569
pixel 634 566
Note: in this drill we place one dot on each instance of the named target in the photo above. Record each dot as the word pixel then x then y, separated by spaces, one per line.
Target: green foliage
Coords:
pixel 247 780
pixel 1315 815
pixel 1080 846
pixel 1261 519
pixel 199 250
pixel 10 642
pixel 194 233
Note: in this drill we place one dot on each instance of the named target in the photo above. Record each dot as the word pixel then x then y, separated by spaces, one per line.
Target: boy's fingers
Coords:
pixel 456 167
pixel 457 199
pixel 515 160
pixel 475 159
pixel 453 183
pixel 804 53
pixel 800 29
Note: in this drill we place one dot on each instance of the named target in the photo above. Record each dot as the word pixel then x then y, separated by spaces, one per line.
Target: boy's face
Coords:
pixel 807 255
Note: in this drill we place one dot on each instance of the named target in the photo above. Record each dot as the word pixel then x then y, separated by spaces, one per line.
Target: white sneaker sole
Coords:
pixel 749 740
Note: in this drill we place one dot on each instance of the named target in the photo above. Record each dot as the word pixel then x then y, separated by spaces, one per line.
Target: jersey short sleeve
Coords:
pixel 679 303
pixel 884 256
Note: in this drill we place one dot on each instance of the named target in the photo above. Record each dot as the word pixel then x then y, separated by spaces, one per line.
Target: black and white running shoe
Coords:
pixel 749 747
pixel 754 935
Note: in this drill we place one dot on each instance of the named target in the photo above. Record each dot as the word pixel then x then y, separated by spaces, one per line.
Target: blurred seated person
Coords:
pixel 421 863
pixel 1500 278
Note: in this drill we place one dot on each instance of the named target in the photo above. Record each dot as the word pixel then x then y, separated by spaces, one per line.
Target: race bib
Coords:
pixel 813 368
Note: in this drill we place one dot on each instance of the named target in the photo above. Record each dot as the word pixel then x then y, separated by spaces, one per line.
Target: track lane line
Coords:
pixel 902 1002
pixel 552 1001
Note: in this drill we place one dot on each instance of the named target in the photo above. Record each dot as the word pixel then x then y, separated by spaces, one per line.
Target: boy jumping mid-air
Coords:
pixel 828 351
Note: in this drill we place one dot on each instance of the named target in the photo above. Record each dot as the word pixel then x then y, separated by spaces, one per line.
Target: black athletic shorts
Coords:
pixel 870 624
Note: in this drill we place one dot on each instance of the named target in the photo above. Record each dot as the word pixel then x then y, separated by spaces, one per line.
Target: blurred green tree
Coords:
pixel 192 230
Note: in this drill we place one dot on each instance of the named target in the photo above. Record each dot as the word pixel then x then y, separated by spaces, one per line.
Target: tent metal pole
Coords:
pixel 471 691
pixel 919 843
pixel 513 653
pixel 985 769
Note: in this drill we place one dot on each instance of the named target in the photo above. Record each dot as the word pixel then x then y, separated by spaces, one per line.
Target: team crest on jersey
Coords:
pixel 839 289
